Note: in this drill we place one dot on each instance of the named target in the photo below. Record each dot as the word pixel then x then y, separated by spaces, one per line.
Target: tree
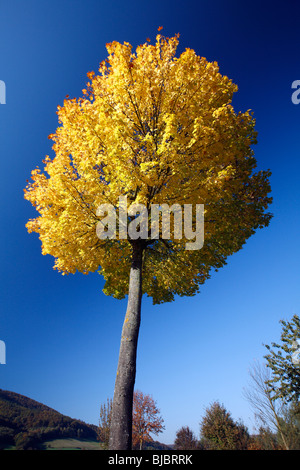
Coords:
pixel 146 419
pixel 220 431
pixel 261 397
pixel 274 394
pixel 264 440
pixel 150 130
pixel 185 439
pixel 290 424
pixel 283 361
pixel 104 423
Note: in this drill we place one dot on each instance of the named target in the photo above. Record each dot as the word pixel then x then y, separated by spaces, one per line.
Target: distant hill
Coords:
pixel 25 423
pixel 155 445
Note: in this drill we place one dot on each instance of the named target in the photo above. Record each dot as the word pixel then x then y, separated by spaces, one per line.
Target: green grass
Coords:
pixel 70 444
pixel 7 447
pixel 62 444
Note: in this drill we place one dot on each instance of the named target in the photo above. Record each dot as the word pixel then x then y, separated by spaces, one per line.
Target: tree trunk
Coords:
pixel 121 420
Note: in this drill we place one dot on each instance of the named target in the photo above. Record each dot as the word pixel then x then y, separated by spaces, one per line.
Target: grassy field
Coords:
pixel 70 444
pixel 63 444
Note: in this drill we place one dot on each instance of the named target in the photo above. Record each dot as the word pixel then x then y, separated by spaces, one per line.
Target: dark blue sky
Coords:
pixel 61 332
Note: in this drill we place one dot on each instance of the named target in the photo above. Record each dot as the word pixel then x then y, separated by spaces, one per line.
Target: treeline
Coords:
pixel 274 395
pixel 219 431
pixel 25 423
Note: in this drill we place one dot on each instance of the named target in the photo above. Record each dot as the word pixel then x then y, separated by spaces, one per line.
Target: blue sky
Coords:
pixel 62 333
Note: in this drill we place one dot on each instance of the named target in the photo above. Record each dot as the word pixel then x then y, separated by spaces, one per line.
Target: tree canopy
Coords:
pixel 158 129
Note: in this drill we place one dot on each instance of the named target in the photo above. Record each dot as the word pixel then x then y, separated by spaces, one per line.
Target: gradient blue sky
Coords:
pixel 62 333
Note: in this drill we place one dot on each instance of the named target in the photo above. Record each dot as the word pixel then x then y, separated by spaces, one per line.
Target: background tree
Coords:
pixel 146 419
pixel 290 424
pixel 267 409
pixel 221 432
pixel 104 423
pixel 284 362
pixel 185 439
pixel 156 129
pixel 264 440
pixel 274 393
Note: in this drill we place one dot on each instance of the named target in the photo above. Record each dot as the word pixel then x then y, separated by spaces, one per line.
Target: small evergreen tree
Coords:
pixel 221 432
pixel 185 439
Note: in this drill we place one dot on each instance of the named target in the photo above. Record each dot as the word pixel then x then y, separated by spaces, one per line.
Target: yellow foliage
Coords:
pixel 159 129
